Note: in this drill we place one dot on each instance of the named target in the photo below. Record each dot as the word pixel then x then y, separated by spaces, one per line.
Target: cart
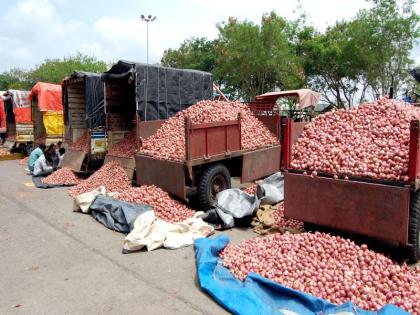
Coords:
pixel 387 210
pixel 213 154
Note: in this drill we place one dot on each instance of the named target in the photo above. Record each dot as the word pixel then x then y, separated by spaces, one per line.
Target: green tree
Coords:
pixel 16 78
pixel 253 59
pixel 387 33
pixel 194 53
pixel 54 70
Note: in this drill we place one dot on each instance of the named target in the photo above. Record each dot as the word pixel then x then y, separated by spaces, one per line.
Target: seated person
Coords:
pixel 61 152
pixel 53 153
pixel 35 154
pixel 44 165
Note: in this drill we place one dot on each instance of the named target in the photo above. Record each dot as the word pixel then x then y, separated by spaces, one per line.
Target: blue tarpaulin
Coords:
pixel 258 295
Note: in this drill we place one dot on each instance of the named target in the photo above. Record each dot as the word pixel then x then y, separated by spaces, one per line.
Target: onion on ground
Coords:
pixel 330 267
pixel 63 176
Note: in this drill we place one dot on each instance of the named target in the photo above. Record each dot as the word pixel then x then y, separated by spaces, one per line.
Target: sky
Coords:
pixel 32 30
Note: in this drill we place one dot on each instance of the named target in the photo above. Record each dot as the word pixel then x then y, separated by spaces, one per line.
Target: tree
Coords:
pixel 387 33
pixel 253 59
pixel 333 63
pixel 17 79
pixel 54 70
pixel 194 53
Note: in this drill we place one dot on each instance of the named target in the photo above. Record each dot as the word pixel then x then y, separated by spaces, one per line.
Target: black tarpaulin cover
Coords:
pixel 115 214
pixel 161 92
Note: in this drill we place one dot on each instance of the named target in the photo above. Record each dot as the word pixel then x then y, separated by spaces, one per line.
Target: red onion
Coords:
pixel 82 143
pixel 64 176
pixel 282 221
pixel 329 267
pixel 164 206
pixel 111 175
pixel 126 147
pixel 169 141
pixel 370 140
pixel 4 152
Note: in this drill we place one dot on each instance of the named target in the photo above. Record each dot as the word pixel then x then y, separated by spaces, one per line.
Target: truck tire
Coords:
pixel 414 227
pixel 212 181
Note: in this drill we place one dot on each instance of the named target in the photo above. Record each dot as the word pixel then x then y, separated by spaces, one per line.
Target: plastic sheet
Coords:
pixel 168 90
pixel 53 123
pixel 234 203
pixel 258 295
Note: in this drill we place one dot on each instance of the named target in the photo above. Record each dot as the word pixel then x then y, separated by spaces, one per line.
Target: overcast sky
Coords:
pixel 32 30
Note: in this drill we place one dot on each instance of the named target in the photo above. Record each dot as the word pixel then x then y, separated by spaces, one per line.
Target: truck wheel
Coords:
pixel 213 180
pixel 414 227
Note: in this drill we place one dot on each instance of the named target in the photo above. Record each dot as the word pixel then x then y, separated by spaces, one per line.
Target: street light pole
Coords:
pixel 147 19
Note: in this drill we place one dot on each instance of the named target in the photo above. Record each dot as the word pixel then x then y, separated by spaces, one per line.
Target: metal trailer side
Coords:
pixel 208 145
pixel 375 208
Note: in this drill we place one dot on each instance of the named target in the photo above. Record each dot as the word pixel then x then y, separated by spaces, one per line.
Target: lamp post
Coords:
pixel 147 19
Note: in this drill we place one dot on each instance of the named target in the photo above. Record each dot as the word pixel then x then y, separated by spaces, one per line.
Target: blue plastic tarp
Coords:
pixel 258 295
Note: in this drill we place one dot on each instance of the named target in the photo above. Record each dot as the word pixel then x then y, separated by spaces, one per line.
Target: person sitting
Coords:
pixel 53 153
pixel 34 156
pixel 43 166
pixel 61 152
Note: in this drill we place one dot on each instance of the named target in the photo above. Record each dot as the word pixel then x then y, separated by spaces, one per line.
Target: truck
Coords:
pixel 214 153
pixel 84 113
pixel 141 97
pixel 379 209
pixel 47 113
pixel 19 123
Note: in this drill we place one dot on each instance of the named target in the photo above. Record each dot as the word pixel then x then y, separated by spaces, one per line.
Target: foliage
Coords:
pixel 351 62
pixel 54 70
pixel 194 53
pixel 51 70
pixel 16 79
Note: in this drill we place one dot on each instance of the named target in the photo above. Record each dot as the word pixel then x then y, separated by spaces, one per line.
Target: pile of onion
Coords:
pixel 125 148
pixel 169 141
pixel 82 143
pixel 281 221
pixel 329 267
pixel 111 175
pixel 64 176
pixel 371 140
pixel 4 152
pixel 165 207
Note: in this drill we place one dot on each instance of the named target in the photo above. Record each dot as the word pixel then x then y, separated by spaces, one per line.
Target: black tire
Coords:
pixel 213 180
pixel 414 227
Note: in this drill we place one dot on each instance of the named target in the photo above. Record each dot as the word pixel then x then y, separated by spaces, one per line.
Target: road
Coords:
pixel 55 261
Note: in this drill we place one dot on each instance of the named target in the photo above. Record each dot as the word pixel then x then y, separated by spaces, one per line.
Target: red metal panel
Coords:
pixel 297 128
pixel 414 152
pixel 216 140
pixel 168 175
pixel 260 163
pixel 292 132
pixel 207 140
pixel 214 124
pixel 73 159
pixel 149 128
pixel 272 123
pixel 233 138
pixel 197 143
pixel 375 210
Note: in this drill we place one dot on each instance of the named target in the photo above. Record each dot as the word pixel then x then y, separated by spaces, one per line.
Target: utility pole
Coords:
pixel 147 19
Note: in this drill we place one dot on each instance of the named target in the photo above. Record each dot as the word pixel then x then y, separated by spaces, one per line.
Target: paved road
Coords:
pixel 55 261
